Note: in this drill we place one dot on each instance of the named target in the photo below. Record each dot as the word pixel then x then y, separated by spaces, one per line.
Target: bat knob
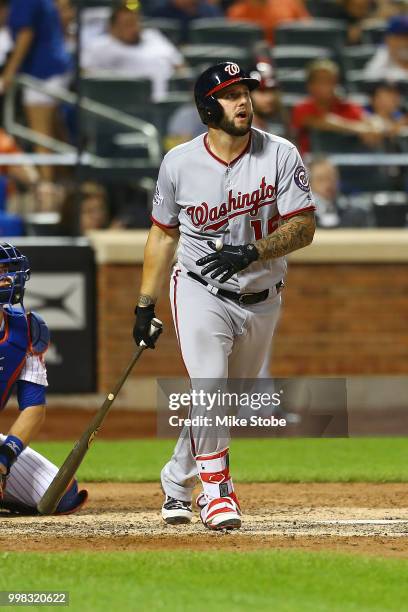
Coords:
pixel 155 325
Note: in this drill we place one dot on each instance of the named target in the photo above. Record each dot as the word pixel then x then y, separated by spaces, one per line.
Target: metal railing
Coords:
pixel 139 132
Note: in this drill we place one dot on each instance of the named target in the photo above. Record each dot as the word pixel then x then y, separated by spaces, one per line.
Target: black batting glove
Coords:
pixel 227 261
pixel 141 329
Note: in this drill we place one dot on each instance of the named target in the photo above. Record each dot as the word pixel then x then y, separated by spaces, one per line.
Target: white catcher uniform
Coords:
pixel 31 475
pixel 239 203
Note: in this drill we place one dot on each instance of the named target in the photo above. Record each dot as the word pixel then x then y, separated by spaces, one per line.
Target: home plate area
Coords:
pixel 356 517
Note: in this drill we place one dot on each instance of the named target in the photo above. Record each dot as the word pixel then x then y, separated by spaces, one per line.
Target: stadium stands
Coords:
pixel 168 27
pixel 296 45
pixel 296 56
pixel 326 32
pixel 321 8
pixel 292 82
pixel 132 96
pixel 202 55
pixel 215 31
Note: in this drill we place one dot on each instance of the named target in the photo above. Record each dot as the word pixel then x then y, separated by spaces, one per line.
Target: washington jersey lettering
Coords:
pixel 239 202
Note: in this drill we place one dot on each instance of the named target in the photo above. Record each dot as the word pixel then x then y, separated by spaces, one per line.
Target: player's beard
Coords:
pixel 230 128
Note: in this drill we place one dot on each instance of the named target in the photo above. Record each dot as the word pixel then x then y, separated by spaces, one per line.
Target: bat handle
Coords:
pixel 155 325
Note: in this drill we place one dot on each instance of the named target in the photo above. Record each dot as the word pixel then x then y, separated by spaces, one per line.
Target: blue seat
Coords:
pixel 355 58
pixel 11 225
pixel 328 33
pixel 391 209
pixel 224 31
pixel 169 27
pixel 292 81
pixel 296 56
pixel 181 83
pixel 322 8
pixel 124 94
pixel 373 34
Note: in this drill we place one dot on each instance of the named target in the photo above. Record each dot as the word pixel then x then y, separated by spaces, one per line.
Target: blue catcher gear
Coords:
pixel 39 333
pixel 14 273
pixel 72 500
pixel 13 349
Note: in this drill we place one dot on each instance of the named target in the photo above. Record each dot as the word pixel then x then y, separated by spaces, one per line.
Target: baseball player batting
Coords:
pixel 24 337
pixel 237 200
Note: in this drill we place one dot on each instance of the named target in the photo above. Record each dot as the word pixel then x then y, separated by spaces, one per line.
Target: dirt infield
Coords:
pixel 358 518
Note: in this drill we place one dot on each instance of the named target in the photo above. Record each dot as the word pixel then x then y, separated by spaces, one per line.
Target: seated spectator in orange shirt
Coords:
pixel 325 110
pixel 268 13
pixel 12 224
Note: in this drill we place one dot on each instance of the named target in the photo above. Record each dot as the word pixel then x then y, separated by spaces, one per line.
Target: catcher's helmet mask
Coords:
pixel 214 79
pixel 15 269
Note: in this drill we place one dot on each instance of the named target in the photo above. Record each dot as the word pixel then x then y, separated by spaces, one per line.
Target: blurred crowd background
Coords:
pixel 94 92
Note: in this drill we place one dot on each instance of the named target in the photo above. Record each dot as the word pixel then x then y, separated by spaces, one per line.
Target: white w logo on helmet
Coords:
pixel 232 69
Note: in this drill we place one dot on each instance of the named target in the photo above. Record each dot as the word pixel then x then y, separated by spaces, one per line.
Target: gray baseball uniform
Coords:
pixel 239 203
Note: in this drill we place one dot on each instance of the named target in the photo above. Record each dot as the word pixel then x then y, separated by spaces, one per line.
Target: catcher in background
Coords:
pixel 24 337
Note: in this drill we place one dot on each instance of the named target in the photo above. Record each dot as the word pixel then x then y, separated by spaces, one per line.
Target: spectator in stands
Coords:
pixel 68 21
pixel 325 110
pixel 268 13
pixel 391 59
pixel 386 108
pixel 17 183
pixel 184 124
pixel 389 8
pixel 94 211
pixel 355 14
pixel 6 43
pixel 130 51
pixel 269 112
pixel 333 210
pixel 49 196
pixel 39 52
pixel 185 11
pixel 13 178
pixel 26 175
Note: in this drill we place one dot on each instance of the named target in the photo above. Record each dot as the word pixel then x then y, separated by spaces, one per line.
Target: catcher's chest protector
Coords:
pixel 13 349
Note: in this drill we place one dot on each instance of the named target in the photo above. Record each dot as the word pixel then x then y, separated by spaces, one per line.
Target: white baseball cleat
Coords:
pixel 221 513
pixel 176 512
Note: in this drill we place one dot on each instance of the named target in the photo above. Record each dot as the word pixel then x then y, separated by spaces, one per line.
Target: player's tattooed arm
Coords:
pixel 292 234
pixel 145 300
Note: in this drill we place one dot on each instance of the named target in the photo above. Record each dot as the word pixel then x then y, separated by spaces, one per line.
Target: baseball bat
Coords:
pixel 51 498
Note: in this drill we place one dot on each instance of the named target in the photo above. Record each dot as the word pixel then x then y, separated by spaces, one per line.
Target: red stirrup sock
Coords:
pixel 213 470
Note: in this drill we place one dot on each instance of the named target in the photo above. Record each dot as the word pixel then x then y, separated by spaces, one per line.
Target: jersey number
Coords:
pixel 272 225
